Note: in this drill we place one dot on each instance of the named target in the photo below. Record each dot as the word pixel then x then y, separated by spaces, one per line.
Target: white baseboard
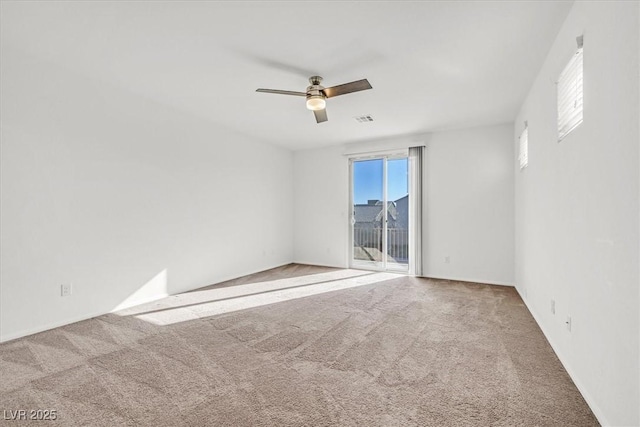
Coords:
pixel 467 279
pixel 233 277
pixel 139 302
pixel 315 264
pixel 565 363
pixel 53 325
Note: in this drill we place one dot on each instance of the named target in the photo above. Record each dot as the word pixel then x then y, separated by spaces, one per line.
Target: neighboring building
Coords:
pixel 371 215
pixel 402 213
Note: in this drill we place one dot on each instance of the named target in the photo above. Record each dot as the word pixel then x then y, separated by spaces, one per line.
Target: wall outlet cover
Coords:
pixel 65 289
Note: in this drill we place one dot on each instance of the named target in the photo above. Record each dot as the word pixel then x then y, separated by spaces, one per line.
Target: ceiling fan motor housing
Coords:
pixel 315 90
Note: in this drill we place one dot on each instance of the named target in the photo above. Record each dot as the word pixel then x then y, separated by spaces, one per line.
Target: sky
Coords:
pixel 367 180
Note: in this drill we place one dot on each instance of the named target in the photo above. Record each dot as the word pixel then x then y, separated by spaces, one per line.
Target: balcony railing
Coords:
pixel 367 244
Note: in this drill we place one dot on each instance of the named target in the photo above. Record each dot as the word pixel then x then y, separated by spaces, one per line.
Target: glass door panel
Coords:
pixel 368 214
pixel 397 249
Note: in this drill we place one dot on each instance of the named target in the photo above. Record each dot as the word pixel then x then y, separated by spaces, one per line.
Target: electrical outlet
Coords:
pixel 568 323
pixel 447 259
pixel 553 307
pixel 65 289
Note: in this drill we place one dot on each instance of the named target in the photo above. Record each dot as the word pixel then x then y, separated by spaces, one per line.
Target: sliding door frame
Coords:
pixel 382 265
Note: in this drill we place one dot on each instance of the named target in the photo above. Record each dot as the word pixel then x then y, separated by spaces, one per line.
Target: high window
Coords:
pixel 523 155
pixel 570 94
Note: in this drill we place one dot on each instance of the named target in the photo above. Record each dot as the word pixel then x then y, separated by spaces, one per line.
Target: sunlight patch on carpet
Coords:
pixel 211 302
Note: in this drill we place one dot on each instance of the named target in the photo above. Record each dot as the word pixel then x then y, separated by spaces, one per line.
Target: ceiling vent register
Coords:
pixel 364 119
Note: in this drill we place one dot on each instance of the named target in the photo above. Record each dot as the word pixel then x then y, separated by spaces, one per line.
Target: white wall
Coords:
pixel 321 207
pixel 469 203
pixel 577 211
pixel 124 198
pixel 469 213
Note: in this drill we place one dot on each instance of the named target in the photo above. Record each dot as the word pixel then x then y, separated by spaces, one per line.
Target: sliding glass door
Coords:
pixel 380 213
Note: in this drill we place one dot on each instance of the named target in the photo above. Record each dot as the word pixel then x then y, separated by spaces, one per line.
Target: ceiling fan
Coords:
pixel 316 94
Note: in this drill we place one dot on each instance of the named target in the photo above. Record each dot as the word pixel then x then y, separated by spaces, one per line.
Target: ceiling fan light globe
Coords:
pixel 315 103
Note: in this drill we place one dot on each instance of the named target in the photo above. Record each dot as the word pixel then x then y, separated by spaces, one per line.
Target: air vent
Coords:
pixel 364 119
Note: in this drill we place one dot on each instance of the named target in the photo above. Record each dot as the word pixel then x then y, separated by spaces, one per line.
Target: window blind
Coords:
pixel 524 148
pixel 570 95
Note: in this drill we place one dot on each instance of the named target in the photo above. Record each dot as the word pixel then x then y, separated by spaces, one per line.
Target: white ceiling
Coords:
pixel 432 65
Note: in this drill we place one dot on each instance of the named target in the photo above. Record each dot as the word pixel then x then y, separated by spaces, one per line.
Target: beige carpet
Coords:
pixel 300 346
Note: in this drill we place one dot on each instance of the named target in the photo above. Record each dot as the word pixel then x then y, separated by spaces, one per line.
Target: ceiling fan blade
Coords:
pixel 343 89
pixel 282 92
pixel 321 115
